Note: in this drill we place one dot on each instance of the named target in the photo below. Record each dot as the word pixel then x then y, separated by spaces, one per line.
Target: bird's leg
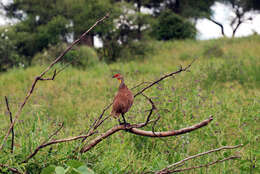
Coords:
pixel 120 123
pixel 125 123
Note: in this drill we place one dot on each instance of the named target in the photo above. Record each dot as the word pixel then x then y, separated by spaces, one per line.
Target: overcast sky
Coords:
pixel 207 29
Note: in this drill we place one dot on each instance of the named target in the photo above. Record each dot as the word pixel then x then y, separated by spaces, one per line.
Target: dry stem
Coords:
pixel 167 169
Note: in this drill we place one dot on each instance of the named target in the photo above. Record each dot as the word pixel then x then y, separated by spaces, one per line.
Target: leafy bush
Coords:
pixel 8 54
pixel 82 56
pixel 132 50
pixel 172 26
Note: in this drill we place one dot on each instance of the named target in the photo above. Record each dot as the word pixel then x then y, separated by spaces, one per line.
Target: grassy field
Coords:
pixel 224 82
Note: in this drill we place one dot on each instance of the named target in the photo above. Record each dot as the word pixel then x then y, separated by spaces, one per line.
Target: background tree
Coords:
pixel 243 10
pixel 44 23
pixel 172 26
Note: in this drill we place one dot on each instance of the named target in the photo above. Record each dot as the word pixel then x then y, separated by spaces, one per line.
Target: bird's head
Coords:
pixel 118 76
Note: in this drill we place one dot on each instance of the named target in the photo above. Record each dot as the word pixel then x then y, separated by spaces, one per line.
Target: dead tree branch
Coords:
pixel 56 142
pixel 52 78
pixel 11 120
pixel 14 170
pixel 134 129
pixel 40 77
pixel 179 163
pixel 219 24
pixel 205 165
pixel 173 132
pixel 164 77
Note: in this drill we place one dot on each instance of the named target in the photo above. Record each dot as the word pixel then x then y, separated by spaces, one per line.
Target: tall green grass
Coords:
pixel 224 82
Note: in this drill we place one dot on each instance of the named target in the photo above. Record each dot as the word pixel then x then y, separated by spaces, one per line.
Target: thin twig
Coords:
pixel 140 84
pixel 11 120
pixel 14 170
pixel 195 156
pixel 43 73
pixel 56 142
pixel 151 110
pixel 204 165
pixel 49 138
pixel 52 78
pixel 164 77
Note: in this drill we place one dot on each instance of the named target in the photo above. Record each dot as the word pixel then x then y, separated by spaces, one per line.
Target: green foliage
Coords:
pixel 44 23
pixel 171 26
pixel 81 57
pixel 226 87
pixel 212 50
pixel 8 55
pixel 72 167
pixel 135 50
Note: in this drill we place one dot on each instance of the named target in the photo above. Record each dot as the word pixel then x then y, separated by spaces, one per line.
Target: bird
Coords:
pixel 123 100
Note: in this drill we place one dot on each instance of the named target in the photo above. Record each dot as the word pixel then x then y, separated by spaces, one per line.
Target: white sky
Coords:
pixel 207 29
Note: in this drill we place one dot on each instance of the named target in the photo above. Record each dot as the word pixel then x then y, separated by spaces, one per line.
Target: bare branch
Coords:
pixel 41 77
pixel 37 149
pixel 173 132
pixel 151 110
pixel 56 142
pixel 219 24
pixel 134 129
pixel 165 170
pixel 164 77
pixel 14 170
pixel 140 84
pixel 52 78
pixel 11 120
pixel 204 165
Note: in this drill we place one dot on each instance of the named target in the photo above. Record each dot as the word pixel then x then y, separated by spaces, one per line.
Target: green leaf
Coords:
pixel 85 170
pixel 59 170
pixel 48 170
pixel 74 163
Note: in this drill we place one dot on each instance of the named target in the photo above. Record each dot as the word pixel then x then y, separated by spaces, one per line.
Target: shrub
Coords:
pixel 172 26
pixel 132 50
pixel 8 54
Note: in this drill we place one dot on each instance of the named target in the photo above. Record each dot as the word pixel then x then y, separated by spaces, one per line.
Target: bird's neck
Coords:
pixel 122 84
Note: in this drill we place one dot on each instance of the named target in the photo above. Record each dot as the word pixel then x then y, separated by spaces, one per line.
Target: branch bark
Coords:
pixel 40 77
pixel 134 129
pixel 173 132
pixel 11 120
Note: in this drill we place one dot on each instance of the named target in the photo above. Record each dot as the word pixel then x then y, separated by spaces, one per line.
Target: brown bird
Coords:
pixel 123 99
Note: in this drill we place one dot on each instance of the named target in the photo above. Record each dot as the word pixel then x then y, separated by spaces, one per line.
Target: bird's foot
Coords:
pixel 124 123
